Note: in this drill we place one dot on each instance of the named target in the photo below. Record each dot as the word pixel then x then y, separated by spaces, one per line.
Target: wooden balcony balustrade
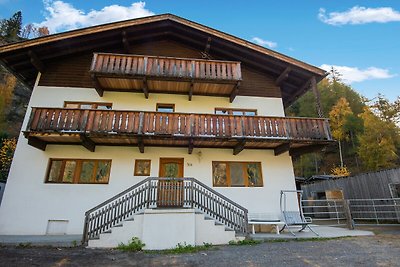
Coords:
pixel 136 73
pixel 140 128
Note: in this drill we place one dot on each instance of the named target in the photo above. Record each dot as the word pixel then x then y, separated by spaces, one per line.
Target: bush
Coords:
pixel 134 245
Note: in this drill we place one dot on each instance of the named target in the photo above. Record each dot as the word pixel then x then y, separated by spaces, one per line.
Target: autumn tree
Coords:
pixel 386 110
pixel 338 119
pixel 7 86
pixel 331 90
pixel 377 148
pixel 6 155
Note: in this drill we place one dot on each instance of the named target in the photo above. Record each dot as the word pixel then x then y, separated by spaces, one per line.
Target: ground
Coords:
pixel 382 249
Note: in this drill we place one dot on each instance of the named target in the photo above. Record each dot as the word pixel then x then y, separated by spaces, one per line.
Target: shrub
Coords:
pixel 134 245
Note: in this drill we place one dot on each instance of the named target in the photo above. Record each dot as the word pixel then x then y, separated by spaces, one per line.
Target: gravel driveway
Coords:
pixel 380 250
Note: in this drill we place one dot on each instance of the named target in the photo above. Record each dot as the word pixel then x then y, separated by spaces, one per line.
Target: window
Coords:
pixel 142 167
pixel 238 112
pixel 87 105
pixel 78 171
pixel 237 174
pixel 165 107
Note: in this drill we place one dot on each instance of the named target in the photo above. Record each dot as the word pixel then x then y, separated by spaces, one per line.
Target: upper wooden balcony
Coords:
pixel 90 127
pixel 156 74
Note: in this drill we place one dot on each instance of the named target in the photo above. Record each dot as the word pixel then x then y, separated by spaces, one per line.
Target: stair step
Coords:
pixel 107 232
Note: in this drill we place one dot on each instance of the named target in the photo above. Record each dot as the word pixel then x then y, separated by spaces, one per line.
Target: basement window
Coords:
pixel 78 171
pixel 237 174
pixel 87 105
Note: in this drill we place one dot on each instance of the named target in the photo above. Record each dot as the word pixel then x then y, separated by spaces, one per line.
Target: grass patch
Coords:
pixel 24 245
pixel 134 245
pixel 244 242
pixel 184 248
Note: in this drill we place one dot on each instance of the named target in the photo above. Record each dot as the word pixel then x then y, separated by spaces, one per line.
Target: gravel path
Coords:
pixel 380 250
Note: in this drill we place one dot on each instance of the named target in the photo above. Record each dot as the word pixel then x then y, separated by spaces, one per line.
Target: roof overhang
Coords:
pixel 24 59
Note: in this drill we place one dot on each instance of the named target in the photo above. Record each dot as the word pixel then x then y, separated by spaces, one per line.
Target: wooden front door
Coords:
pixel 170 192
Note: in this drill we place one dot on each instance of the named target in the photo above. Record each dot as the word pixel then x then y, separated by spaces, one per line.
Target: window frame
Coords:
pixel 77 171
pixel 228 174
pixel 93 104
pixel 135 171
pixel 166 105
pixel 231 110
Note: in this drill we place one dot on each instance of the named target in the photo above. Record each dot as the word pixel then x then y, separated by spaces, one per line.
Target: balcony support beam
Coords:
pixel 284 75
pixel 37 143
pixel 190 148
pixel 97 86
pixel 36 62
pixel 281 149
pixel 234 92
pixel 191 90
pixel 302 90
pixel 239 147
pixel 145 88
pixel 88 143
pixel 140 144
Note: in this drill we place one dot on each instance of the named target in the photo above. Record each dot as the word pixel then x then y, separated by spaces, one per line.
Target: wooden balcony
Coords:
pixel 151 74
pixel 89 127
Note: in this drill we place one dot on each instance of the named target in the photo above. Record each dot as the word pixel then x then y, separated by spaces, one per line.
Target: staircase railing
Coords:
pixel 156 192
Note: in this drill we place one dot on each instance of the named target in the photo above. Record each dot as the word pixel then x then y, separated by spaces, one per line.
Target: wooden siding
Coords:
pixel 74 71
pixel 363 186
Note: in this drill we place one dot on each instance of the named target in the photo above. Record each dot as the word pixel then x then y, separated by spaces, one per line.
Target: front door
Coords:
pixel 170 192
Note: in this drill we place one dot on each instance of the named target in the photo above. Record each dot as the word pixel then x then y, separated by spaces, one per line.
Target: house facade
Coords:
pixel 159 97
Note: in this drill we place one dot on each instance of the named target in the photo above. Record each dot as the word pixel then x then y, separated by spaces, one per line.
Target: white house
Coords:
pixel 158 96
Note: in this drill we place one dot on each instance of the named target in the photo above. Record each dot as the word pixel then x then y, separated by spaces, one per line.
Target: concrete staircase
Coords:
pixel 165 228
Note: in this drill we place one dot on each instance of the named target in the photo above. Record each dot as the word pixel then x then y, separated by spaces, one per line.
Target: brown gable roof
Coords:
pixel 16 57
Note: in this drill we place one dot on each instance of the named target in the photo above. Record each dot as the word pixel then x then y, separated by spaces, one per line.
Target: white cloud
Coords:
pixel 61 16
pixel 359 15
pixel 353 74
pixel 262 42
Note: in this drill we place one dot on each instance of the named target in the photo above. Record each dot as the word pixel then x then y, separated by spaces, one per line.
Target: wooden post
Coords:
pixel 145 88
pixel 191 90
pixel 347 213
pixel 317 97
pixel 234 92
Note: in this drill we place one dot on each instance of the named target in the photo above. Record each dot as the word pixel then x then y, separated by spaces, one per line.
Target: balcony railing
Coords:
pixel 124 122
pixel 152 66
pixel 156 74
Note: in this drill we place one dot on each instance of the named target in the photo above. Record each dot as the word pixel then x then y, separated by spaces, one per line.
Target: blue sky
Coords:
pixel 360 38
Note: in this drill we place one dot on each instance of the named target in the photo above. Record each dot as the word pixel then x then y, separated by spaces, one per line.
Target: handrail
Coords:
pixel 92 121
pixel 156 192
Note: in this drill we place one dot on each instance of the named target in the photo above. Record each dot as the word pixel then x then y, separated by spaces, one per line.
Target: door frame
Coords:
pixel 170 193
pixel 178 160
